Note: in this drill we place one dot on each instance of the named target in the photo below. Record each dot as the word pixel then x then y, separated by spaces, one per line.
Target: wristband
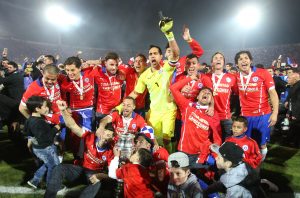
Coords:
pixel 170 36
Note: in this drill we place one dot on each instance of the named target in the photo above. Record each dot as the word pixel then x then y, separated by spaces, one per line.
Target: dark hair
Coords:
pixel 241 119
pixel 14 64
pixel 204 88
pixel 52 58
pixel 230 64
pixel 167 46
pixel 143 56
pixel 112 55
pixel 131 98
pixel 35 102
pixel 260 66
pixel 51 69
pixel 110 127
pixel 141 134
pixel 190 56
pixel 73 60
pixel 204 63
pixel 237 56
pixel 145 157
pixel 216 54
pixel 155 46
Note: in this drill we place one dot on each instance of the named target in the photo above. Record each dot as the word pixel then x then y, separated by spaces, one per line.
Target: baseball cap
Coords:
pixel 229 151
pixel 178 160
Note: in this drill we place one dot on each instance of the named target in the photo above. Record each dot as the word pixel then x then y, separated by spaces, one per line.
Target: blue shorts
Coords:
pixel 258 128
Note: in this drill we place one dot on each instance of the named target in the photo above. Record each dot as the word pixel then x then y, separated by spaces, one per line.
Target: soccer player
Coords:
pixel 162 113
pixel 80 86
pixel 109 86
pixel 256 89
pixel 97 155
pixel 251 150
pixel 128 122
pixel 46 87
pixel 199 130
pixel 132 75
pixel 223 85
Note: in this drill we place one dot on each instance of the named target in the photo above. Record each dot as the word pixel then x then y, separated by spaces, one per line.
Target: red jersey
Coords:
pixel 253 92
pixel 131 79
pixel 85 85
pixel 223 85
pixel 109 91
pixel 137 181
pixel 196 49
pixel 132 125
pixel 95 158
pixel 36 88
pixel 251 150
pixel 198 130
pixel 203 81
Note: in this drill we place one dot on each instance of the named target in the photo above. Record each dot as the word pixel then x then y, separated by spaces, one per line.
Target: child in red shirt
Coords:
pixel 137 181
pixel 251 150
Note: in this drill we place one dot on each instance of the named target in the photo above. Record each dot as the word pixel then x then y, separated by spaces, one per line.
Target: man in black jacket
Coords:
pixel 293 104
pixel 11 94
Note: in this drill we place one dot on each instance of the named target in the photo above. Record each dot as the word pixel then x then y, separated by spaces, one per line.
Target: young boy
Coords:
pixel 137 181
pixel 230 159
pixel 183 183
pixel 41 135
pixel 251 150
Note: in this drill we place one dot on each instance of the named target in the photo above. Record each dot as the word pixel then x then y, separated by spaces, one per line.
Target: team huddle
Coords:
pixel 165 150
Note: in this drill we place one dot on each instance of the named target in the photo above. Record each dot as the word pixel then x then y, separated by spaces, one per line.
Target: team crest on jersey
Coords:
pixel 86 80
pixel 245 147
pixel 200 85
pixel 255 79
pixel 104 158
pixel 133 126
pixel 57 86
pixel 228 80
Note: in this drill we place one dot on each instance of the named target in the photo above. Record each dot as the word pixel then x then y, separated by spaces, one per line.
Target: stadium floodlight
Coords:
pixel 57 15
pixel 249 16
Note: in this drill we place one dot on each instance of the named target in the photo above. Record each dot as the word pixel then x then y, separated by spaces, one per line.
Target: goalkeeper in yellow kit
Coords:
pixel 156 79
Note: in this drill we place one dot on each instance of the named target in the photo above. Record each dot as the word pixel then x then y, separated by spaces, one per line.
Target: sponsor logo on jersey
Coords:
pixel 104 158
pixel 228 80
pixel 200 85
pixel 255 79
pixel 86 80
pixel 133 126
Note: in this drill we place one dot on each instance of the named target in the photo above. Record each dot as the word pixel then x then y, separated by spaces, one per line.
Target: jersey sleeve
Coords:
pixel 206 81
pixel 30 91
pixel 255 156
pixel 180 100
pixel 141 86
pixel 269 82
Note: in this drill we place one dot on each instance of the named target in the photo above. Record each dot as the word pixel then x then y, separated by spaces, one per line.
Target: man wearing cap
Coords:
pixel 230 158
pixel 182 183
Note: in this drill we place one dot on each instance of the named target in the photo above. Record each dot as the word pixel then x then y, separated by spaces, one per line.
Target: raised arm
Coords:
pixel 166 25
pixel 69 121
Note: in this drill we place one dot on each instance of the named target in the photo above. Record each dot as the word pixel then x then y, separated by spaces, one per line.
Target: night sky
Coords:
pixel 133 24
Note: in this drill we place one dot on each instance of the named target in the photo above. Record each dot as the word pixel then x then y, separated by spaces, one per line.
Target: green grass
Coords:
pixel 17 166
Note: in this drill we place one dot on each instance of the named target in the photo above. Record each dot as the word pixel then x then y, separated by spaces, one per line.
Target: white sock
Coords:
pixel 264 152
